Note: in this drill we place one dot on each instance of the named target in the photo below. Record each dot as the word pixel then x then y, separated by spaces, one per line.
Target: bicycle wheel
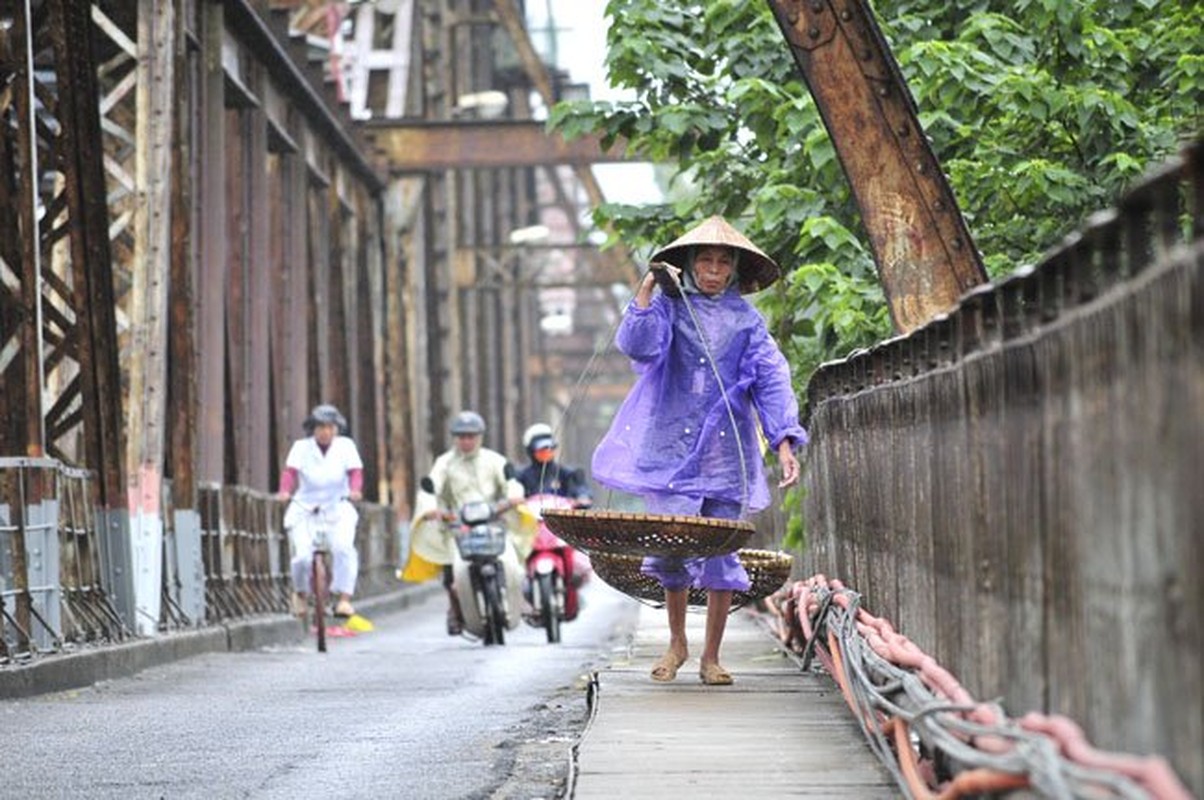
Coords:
pixel 320 592
pixel 549 606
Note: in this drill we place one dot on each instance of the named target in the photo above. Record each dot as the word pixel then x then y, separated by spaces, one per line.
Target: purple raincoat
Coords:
pixel 673 441
pixel 673 434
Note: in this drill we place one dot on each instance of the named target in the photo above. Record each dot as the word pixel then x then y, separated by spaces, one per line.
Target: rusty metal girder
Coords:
pixel 284 59
pixel 925 255
pixel 96 323
pixel 426 145
pixel 21 427
pixel 508 12
pixel 58 246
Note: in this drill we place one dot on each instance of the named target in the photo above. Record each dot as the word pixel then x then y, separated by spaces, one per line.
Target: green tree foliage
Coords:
pixel 1040 111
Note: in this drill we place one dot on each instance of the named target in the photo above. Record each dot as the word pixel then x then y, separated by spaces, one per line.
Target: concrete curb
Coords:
pixel 56 672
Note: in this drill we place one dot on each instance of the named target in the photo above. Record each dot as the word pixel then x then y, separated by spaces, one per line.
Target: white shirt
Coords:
pixel 323 476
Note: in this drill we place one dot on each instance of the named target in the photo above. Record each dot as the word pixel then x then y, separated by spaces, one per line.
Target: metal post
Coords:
pixel 31 244
pixel 117 562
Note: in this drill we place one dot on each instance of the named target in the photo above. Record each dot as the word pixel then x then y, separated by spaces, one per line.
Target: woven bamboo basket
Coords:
pixel 767 571
pixel 624 533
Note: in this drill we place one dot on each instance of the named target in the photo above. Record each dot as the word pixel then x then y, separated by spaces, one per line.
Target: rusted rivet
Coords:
pixel 921 168
pixel 813 33
pixel 883 91
pixel 957 243
pixel 939 205
pixel 904 130
pixel 846 15
pixel 817 6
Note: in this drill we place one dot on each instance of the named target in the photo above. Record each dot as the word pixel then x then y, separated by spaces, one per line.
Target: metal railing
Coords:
pixel 52 587
pixel 243 548
pixel 64 566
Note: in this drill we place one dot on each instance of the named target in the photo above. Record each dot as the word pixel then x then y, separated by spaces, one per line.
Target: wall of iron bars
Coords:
pixel 65 569
pixel 1018 483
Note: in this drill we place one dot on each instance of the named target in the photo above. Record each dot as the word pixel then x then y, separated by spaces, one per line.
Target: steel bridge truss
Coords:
pixel 58 354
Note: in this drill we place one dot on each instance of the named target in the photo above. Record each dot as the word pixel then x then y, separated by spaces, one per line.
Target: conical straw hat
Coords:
pixel 756 270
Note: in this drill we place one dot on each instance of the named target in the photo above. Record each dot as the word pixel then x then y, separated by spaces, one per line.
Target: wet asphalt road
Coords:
pixel 403 711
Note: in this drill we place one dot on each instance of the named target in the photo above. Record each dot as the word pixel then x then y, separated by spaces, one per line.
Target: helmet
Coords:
pixel 539 430
pixel 468 422
pixel 324 414
pixel 539 437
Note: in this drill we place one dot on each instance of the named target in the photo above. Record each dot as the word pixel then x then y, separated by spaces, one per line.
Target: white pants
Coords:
pixel 340 522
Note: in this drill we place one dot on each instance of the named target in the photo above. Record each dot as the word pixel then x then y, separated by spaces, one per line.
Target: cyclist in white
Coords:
pixel 323 471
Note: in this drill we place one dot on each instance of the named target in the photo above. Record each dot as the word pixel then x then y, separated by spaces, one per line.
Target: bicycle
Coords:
pixel 319 526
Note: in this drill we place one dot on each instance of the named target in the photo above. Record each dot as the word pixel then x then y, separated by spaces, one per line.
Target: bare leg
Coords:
pixel 675 603
pixel 666 668
pixel 455 618
pixel 719 603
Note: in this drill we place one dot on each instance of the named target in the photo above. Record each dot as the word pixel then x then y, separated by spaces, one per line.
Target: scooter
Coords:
pixel 486 573
pixel 555 571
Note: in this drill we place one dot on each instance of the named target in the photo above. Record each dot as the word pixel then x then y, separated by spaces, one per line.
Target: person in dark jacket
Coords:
pixel 545 475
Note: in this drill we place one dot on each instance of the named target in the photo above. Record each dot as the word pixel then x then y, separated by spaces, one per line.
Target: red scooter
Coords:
pixel 555 571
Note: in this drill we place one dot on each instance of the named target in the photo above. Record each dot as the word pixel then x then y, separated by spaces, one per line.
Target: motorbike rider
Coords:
pixel 468 471
pixel 323 469
pixel 545 475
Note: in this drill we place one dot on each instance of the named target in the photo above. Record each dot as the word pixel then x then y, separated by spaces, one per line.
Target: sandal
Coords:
pixel 666 667
pixel 714 675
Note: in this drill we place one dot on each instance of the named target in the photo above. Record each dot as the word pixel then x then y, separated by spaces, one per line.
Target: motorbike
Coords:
pixel 486 573
pixel 555 571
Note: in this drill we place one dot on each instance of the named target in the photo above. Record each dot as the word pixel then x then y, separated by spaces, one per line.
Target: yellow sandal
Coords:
pixel 666 668
pixel 714 675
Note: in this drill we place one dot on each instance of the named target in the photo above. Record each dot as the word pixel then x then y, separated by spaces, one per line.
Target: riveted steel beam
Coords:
pixel 265 35
pixel 80 156
pixel 413 145
pixel 924 252
pixel 508 13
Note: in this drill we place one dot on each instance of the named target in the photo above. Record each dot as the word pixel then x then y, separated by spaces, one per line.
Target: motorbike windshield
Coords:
pixel 475 512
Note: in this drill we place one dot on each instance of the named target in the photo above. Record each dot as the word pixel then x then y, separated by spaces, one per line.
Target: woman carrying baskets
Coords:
pixel 686 437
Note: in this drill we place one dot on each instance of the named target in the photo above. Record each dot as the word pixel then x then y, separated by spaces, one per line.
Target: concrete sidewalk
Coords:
pixel 777 732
